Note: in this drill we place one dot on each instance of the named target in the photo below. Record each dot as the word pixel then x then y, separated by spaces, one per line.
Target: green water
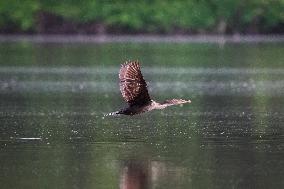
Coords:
pixel 53 134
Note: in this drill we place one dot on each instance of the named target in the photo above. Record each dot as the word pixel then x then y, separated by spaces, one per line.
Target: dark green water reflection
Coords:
pixel 53 133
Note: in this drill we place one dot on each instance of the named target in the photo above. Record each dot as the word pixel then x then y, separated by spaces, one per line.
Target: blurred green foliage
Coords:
pixel 158 16
pixel 18 14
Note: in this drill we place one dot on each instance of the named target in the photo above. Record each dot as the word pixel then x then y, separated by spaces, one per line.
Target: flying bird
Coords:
pixel 134 91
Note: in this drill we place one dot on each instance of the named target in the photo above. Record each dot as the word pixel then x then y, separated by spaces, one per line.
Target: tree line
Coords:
pixel 142 16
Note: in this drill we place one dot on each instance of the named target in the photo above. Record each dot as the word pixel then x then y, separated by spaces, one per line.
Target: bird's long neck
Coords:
pixel 157 105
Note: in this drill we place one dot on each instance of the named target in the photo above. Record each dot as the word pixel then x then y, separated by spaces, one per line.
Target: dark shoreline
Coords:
pixel 220 39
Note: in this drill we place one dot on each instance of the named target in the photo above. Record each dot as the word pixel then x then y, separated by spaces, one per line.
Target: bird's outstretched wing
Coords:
pixel 132 85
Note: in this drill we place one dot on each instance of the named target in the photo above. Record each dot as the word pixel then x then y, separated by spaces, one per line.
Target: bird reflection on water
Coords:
pixel 134 91
pixel 134 175
pixel 143 174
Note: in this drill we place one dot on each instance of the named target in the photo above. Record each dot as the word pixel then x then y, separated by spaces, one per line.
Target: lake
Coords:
pixel 53 133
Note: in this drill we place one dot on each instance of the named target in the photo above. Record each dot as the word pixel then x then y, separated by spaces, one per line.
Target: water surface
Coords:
pixel 53 134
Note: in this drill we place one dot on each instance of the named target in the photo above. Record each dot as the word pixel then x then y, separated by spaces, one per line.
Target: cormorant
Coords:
pixel 134 91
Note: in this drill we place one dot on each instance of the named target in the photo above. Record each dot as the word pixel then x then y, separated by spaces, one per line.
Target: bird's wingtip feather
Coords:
pixel 128 62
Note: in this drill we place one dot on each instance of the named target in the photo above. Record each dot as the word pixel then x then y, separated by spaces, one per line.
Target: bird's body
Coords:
pixel 134 91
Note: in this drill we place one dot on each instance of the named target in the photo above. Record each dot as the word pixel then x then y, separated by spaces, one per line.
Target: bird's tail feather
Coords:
pixel 112 114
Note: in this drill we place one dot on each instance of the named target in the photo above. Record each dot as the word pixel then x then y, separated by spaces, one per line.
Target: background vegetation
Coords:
pixel 142 16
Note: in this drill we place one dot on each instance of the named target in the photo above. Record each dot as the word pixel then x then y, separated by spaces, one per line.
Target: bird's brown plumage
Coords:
pixel 132 84
pixel 134 91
